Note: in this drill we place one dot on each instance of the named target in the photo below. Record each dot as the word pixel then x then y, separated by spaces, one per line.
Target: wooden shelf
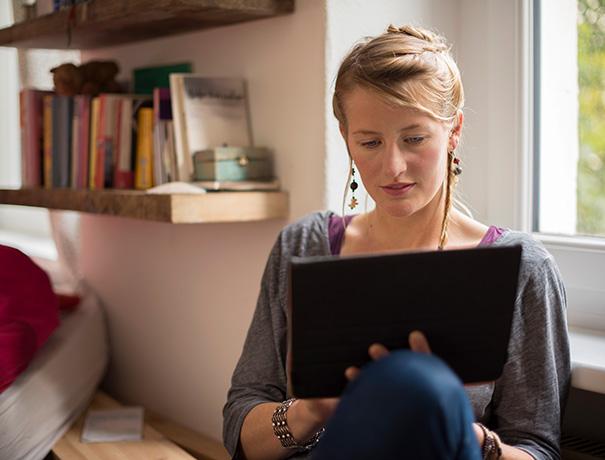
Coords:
pixel 211 207
pixel 101 23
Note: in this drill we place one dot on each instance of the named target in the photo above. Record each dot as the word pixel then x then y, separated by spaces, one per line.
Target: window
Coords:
pixel 569 147
pixel 591 120
pixel 570 120
pixel 22 227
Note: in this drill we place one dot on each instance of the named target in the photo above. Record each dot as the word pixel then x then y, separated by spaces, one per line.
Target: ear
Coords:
pixel 343 131
pixel 456 131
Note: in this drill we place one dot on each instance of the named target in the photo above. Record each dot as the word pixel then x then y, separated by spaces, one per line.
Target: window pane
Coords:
pixel 591 120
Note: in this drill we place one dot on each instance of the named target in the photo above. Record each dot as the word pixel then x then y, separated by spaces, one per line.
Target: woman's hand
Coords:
pixel 419 344
pixel 318 410
pixel 307 416
pixel 416 339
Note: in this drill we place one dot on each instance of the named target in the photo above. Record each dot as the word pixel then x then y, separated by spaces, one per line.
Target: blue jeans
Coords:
pixel 405 406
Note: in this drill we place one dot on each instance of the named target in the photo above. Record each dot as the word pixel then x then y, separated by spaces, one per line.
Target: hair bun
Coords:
pixel 437 42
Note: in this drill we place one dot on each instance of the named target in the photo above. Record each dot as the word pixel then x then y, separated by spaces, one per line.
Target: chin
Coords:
pixel 397 209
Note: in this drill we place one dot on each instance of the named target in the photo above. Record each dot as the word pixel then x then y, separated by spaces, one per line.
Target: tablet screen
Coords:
pixel 462 300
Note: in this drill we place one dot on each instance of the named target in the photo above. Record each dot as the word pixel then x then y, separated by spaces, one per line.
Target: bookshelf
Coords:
pixel 102 23
pixel 213 207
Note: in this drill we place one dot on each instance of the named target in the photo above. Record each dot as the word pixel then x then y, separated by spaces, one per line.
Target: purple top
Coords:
pixel 336 233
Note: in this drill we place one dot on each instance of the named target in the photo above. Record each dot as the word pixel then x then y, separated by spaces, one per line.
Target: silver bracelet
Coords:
pixel 282 431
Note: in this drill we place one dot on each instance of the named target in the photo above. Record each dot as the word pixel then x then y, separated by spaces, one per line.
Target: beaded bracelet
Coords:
pixel 283 433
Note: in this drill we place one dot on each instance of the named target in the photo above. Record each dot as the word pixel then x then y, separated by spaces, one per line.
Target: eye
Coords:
pixel 414 140
pixel 370 144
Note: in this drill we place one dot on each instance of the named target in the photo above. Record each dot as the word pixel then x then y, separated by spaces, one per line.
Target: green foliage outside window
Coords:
pixel 591 79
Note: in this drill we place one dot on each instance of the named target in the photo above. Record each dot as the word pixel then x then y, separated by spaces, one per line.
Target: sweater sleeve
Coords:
pixel 259 375
pixel 531 393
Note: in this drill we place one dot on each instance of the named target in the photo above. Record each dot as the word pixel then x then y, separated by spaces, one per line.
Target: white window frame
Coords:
pixel 511 155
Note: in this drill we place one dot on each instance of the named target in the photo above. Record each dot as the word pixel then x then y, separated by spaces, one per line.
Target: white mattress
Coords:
pixel 41 404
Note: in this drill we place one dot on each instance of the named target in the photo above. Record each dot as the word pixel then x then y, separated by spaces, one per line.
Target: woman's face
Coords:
pixel 400 153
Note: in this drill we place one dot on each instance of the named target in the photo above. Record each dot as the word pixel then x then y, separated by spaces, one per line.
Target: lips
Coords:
pixel 398 188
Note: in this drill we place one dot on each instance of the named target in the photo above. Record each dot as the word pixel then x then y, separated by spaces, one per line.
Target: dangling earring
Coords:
pixel 353 186
pixel 456 168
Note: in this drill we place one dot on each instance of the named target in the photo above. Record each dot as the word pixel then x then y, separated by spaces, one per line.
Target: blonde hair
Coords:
pixel 407 67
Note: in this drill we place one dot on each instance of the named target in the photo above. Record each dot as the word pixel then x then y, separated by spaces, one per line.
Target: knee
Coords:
pixel 417 379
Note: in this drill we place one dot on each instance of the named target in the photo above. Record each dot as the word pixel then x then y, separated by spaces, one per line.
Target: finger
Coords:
pixel 419 343
pixel 377 351
pixel 351 373
pixel 476 384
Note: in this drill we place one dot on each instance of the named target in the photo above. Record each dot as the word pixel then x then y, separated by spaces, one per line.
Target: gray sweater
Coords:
pixel 523 406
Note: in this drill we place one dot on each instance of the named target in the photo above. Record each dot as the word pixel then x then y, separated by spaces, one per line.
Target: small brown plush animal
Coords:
pixel 91 78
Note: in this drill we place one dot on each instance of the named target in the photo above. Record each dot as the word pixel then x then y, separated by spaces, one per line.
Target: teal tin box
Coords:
pixel 233 164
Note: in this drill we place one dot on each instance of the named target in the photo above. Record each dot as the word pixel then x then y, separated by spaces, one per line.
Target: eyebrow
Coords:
pixel 407 128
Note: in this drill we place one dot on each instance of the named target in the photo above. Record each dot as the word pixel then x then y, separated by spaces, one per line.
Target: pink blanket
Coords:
pixel 29 312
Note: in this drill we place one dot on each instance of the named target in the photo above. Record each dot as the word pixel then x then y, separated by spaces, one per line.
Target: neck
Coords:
pixel 421 230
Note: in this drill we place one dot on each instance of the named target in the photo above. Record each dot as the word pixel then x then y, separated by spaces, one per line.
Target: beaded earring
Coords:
pixel 456 168
pixel 353 186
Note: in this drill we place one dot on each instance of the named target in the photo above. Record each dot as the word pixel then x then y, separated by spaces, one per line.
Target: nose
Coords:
pixel 394 160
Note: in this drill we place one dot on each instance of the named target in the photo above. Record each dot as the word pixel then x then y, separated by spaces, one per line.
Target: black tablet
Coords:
pixel 462 300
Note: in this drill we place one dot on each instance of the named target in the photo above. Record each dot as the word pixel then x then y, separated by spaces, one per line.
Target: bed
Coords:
pixel 41 404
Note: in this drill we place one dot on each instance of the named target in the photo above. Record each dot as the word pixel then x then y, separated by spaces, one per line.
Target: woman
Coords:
pixel 399 99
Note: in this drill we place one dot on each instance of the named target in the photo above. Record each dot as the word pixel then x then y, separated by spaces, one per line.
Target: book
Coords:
pixel 207 112
pixel 31 109
pixel 164 162
pixel 106 133
pixel 62 113
pixel 145 79
pixel 123 171
pixel 80 142
pixel 144 153
pixel 113 425
pixel 47 140
pixel 92 154
pixel 123 140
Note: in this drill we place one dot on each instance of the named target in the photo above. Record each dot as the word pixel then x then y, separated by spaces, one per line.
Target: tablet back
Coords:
pixel 462 300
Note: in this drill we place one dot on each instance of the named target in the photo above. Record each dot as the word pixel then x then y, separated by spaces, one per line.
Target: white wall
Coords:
pixel 10 170
pixel 495 135
pixel 179 298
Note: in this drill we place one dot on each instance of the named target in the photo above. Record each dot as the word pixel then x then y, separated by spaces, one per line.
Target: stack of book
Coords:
pixel 131 140
pixel 85 142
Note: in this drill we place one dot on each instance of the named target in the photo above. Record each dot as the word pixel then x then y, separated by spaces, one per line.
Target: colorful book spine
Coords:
pixel 144 152
pixel 184 160
pixel 124 174
pixel 80 142
pixel 62 114
pixel 94 128
pixel 84 141
pixel 31 122
pixel 162 117
pixel 48 140
pixel 106 140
